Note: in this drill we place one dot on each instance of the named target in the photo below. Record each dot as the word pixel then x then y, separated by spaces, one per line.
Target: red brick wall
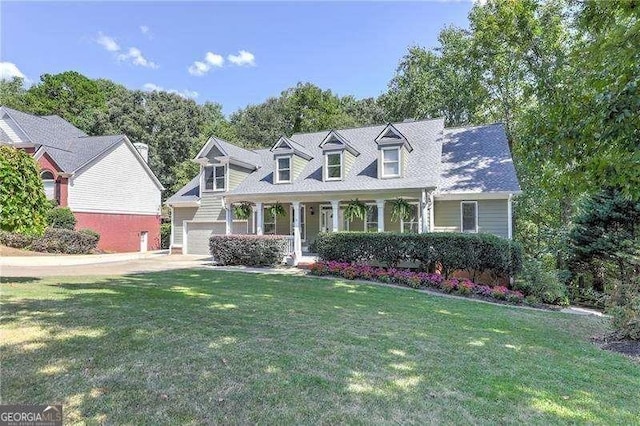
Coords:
pixel 121 232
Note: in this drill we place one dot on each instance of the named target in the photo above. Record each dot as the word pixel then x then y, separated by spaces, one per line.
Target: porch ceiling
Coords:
pixel 325 197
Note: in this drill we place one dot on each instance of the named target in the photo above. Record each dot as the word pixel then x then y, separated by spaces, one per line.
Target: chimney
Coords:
pixel 143 150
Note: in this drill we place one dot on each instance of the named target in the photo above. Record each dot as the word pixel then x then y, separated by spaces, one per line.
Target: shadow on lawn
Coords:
pixel 18 280
pixel 195 346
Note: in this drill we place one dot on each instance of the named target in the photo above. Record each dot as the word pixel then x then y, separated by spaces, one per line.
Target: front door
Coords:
pixel 326 219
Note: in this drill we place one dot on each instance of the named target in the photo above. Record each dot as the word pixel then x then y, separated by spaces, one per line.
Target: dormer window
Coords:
pixel 215 178
pixel 333 166
pixel 283 169
pixel 390 162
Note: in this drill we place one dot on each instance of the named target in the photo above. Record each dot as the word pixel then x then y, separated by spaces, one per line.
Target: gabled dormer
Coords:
pixel 290 158
pixel 339 156
pixel 393 149
pixel 223 165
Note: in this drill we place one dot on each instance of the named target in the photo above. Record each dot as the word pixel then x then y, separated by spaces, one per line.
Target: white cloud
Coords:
pixel 243 58
pixel 109 43
pixel 187 94
pixel 146 31
pixel 137 58
pixel 8 70
pixel 211 60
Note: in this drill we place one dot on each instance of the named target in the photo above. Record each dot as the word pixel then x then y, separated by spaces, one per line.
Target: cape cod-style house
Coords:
pixel 455 179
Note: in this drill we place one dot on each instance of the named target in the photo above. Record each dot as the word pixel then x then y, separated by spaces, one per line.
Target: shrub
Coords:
pixel 23 204
pixel 57 240
pixel 414 279
pixel 542 284
pixel 61 217
pixel 448 251
pixel 15 240
pixel 249 250
pixel 165 235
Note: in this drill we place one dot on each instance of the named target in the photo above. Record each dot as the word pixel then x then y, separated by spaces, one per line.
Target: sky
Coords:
pixel 234 54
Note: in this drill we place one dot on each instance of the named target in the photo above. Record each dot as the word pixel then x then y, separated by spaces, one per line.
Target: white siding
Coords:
pixel 117 183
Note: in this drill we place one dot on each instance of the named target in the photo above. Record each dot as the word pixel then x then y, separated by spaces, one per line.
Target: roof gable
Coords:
pixel 390 135
pixel 335 141
pixel 284 145
pixel 244 157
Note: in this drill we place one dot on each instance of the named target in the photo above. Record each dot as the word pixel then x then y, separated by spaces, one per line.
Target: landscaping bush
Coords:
pixel 57 240
pixel 415 279
pixel 544 285
pixel 15 240
pixel 449 252
pixel 165 235
pixel 61 217
pixel 249 250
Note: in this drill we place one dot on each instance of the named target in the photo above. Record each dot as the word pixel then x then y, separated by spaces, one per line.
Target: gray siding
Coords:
pixel 492 216
pixel 237 174
pixel 348 160
pixel 210 208
pixel 298 165
pixel 181 214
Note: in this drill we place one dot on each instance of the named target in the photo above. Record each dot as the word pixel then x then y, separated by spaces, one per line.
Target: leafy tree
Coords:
pixel 12 93
pixel 70 95
pixel 23 204
pixel 607 230
pixel 61 217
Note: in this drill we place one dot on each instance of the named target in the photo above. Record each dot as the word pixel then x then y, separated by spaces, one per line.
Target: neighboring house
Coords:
pixel 104 180
pixel 460 179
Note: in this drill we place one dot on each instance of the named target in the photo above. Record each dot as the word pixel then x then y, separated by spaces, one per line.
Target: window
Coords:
pixel 371 221
pixel 214 178
pixel 411 225
pixel 333 166
pixel 303 226
pixel 469 216
pixel 269 225
pixel 390 162
pixel 49 184
pixel 283 169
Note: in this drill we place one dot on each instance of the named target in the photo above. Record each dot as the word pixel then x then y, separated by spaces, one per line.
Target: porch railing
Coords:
pixel 292 246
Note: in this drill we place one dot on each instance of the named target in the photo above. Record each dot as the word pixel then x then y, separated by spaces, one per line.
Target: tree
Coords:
pixel 12 93
pixel 23 204
pixel 70 95
pixel 607 230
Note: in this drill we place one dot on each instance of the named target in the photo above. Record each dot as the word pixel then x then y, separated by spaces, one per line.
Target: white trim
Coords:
pixel 462 203
pixel 326 165
pixel 156 213
pixel 380 207
pixel 382 162
pixel 432 213
pixel 276 177
pixel 510 217
pixel 184 237
pixel 461 196
pixel 279 143
pixel 203 179
pixel 173 228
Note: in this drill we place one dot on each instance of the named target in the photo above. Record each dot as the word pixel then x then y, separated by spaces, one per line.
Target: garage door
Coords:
pixel 198 234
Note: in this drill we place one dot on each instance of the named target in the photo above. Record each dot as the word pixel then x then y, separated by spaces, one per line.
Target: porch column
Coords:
pixel 229 218
pixel 432 213
pixel 335 209
pixel 510 217
pixel 424 214
pixel 380 205
pixel 259 219
pixel 297 235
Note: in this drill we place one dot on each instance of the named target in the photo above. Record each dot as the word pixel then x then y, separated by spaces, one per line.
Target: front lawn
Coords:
pixel 198 346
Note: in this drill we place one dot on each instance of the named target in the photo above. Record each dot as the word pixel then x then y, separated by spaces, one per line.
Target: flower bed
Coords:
pixel 462 287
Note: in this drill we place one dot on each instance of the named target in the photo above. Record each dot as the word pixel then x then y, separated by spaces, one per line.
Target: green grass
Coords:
pixel 199 346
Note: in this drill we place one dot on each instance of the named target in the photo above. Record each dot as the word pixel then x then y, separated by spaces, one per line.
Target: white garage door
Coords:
pixel 198 234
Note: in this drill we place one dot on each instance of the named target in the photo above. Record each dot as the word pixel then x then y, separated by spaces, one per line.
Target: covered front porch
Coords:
pixel 303 218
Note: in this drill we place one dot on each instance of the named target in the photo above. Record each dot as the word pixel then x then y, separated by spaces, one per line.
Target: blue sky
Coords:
pixel 246 51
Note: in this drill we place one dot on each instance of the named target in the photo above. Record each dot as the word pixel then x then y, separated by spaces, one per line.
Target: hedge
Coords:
pixel 165 235
pixel 61 217
pixel 446 251
pixel 54 240
pixel 249 250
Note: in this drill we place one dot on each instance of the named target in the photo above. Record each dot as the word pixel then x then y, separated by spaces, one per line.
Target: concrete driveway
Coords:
pixel 154 263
